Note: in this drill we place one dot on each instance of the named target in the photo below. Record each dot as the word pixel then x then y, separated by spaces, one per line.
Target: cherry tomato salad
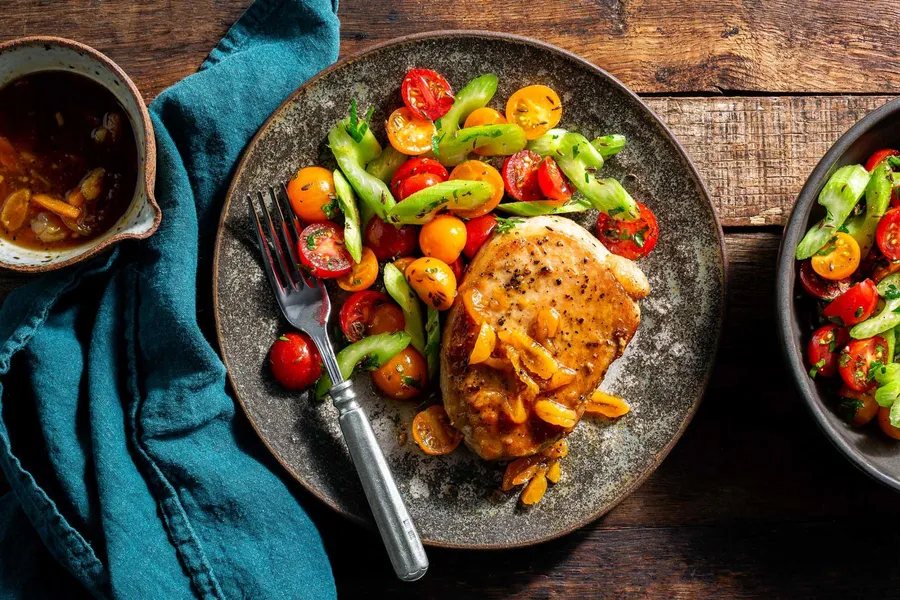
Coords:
pixel 415 210
pixel 851 269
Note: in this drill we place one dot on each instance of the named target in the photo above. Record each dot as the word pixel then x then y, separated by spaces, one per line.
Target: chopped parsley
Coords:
pixel 892 292
pixel 505 225
pixel 873 368
pixel 858 312
pixel 816 367
pixel 436 143
pixel 283 338
pixel 311 241
pixel 357 127
pixel 411 382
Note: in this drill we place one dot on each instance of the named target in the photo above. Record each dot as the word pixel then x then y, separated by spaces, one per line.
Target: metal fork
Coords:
pixel 305 304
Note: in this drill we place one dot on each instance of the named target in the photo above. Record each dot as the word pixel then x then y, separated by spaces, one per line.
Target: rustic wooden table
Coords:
pixel 753 502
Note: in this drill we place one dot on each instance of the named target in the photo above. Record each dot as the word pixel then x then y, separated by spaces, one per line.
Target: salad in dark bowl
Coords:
pixel 838 293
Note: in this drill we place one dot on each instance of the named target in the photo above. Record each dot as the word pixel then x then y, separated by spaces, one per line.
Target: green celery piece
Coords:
pixel 352 233
pixel 372 352
pixel 609 145
pixel 403 294
pixel 895 414
pixel 476 94
pixel 840 194
pixel 891 339
pixel 888 373
pixel 489 140
pixel 581 161
pixel 878 199
pixel 433 341
pixel 421 207
pixel 386 164
pixel 888 318
pixel 543 207
pixel 886 394
pixel 350 158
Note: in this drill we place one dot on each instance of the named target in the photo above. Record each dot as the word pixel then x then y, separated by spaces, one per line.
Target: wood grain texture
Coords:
pixel 755 153
pixel 753 502
pixel 799 46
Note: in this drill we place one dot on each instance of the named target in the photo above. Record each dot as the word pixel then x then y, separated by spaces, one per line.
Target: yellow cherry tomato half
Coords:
pixel 434 282
pixel 362 274
pixel 476 170
pixel 408 133
pixel 484 116
pixel 311 193
pixel 403 376
pixel 838 259
pixel 536 109
pixel 432 431
pixel 443 238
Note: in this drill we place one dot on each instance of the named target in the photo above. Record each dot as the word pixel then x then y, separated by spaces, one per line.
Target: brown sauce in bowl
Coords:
pixel 68 160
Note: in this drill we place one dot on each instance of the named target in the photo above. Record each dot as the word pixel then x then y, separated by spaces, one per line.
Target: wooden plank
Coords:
pixel 799 46
pixel 755 153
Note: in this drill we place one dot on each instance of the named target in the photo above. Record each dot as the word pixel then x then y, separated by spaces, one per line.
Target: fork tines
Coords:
pixel 277 242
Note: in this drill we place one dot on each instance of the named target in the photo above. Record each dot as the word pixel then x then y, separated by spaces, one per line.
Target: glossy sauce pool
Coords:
pixel 68 160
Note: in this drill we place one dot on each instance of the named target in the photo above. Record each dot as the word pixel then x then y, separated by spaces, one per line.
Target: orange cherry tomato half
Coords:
pixel 552 182
pixel 322 250
pixel 857 358
pixel 631 239
pixel 416 183
pixel 476 170
pixel 369 312
pixel 362 274
pixel 863 405
pixel 404 376
pixel 443 238
pixel 536 109
pixel 478 230
pixel 887 234
pixel 824 349
pixel 311 193
pixel 878 157
pixel 884 422
pixel 520 176
pixel 434 281
pixel 295 361
pixel 426 93
pixel 839 258
pixel 855 305
pixel 484 116
pixel 415 166
pixel 408 133
pixel 433 433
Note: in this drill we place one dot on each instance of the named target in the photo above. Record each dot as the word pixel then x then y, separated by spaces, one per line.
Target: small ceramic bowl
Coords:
pixel 866 447
pixel 31 54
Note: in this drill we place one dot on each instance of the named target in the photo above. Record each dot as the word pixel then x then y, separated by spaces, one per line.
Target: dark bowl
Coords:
pixel 869 450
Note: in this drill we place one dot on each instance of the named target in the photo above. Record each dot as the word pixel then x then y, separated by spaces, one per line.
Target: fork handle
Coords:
pixel 394 523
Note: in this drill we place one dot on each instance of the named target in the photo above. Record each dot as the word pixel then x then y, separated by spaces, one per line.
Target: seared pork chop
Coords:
pixel 561 309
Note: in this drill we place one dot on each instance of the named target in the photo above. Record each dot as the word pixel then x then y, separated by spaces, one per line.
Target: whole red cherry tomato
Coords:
pixel 295 361
pixel 478 230
pixel 389 242
pixel 416 166
pixel 415 183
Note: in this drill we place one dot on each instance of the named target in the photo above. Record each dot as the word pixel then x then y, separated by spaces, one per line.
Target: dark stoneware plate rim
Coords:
pixel 786 281
pixel 670 137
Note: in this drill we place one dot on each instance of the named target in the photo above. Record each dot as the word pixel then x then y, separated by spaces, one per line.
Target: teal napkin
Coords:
pixel 128 465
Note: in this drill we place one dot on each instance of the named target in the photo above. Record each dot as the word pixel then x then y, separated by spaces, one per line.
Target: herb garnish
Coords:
pixel 357 127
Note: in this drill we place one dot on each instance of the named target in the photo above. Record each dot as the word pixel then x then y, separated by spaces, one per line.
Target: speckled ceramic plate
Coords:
pixel 456 500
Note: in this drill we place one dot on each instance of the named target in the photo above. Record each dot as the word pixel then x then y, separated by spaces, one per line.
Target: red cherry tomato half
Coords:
pixel 415 183
pixel 855 305
pixel 857 358
pixel 369 312
pixel 879 156
pixel 478 230
pixel 520 176
pixel 887 234
pixel 552 182
pixel 819 287
pixel 295 361
pixel 631 239
pixel 389 242
pixel 426 93
pixel 322 250
pixel 415 166
pixel 824 347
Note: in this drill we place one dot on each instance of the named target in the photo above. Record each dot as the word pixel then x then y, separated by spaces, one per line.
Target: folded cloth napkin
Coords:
pixel 128 465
